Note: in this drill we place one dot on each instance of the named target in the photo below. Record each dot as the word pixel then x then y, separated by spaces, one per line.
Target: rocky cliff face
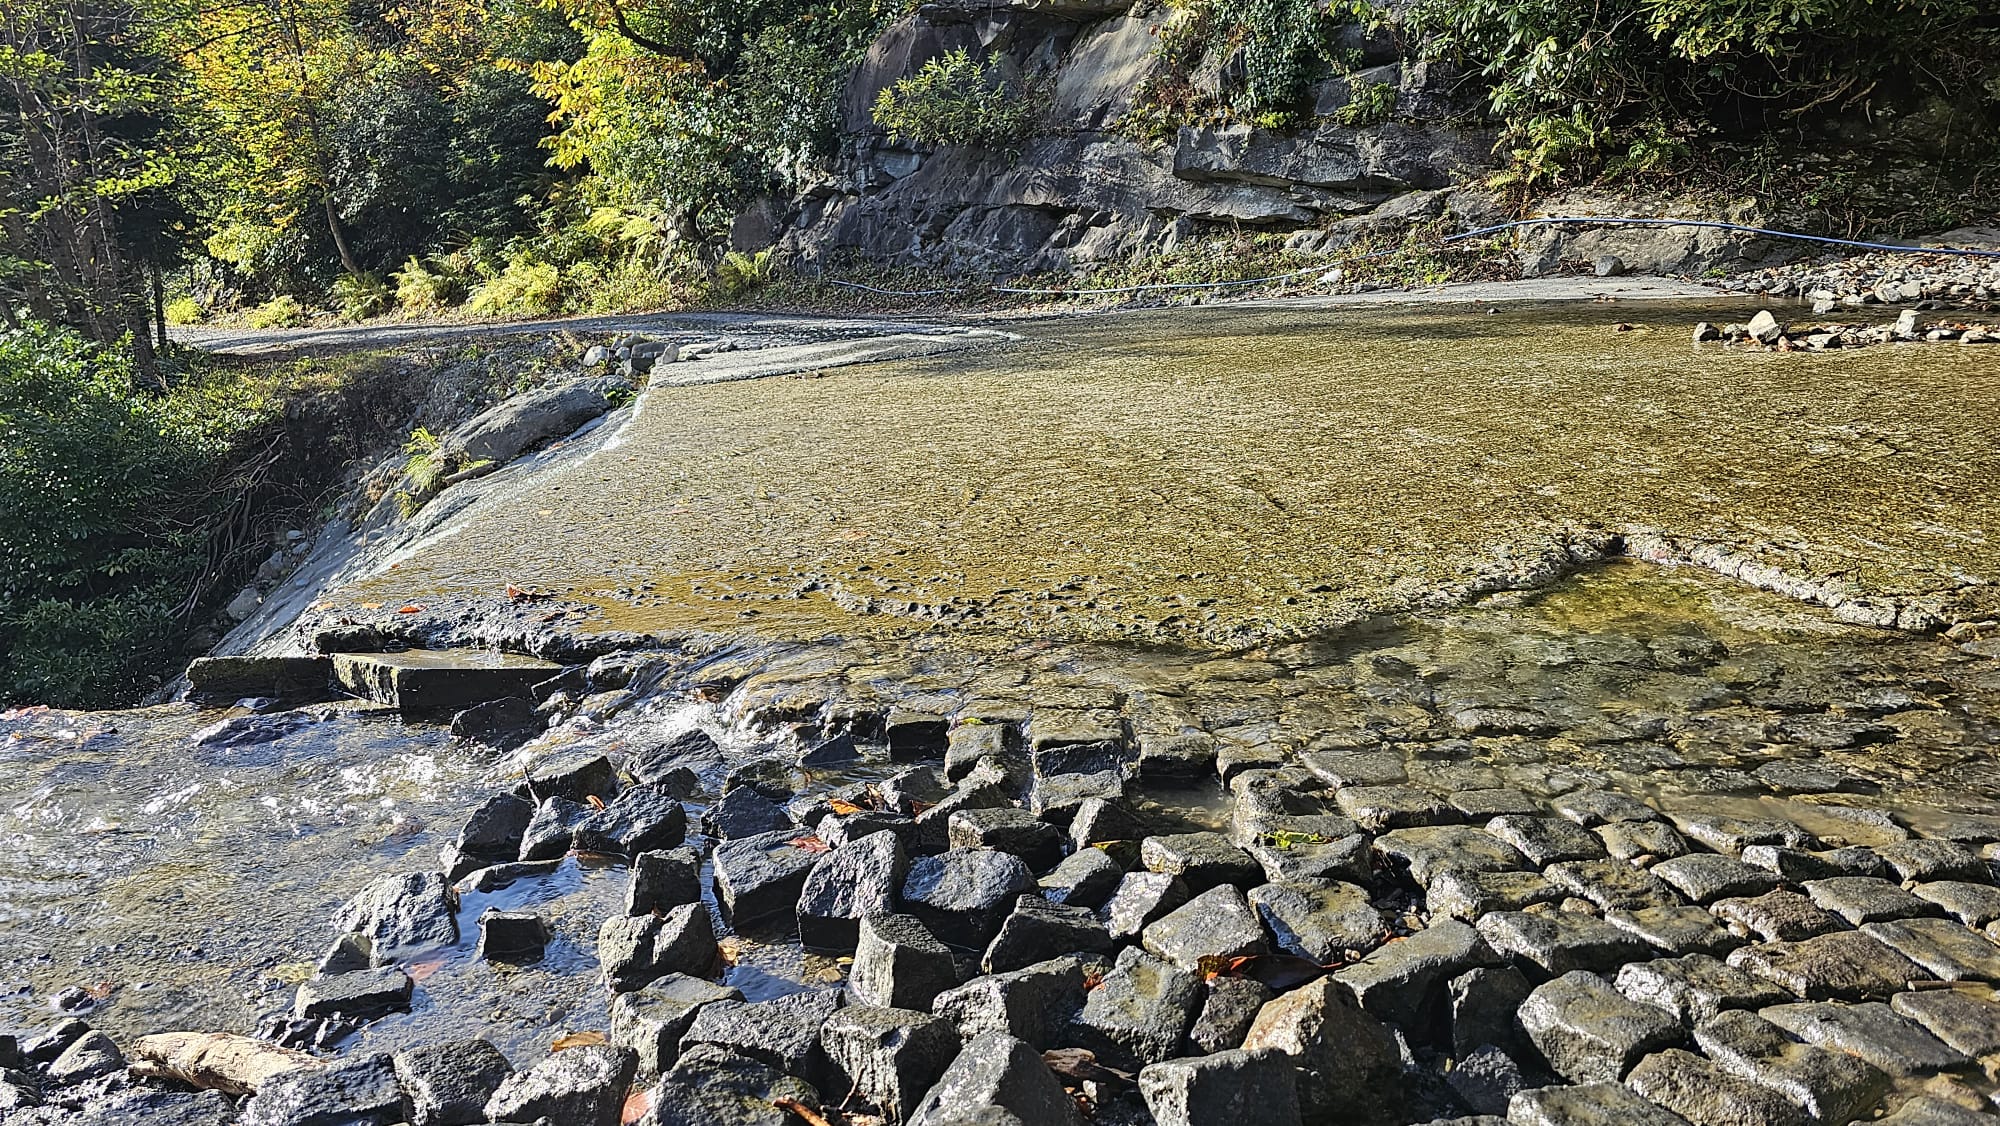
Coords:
pixel 1081 190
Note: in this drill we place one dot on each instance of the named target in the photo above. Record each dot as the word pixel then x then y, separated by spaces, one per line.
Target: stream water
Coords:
pixel 1235 525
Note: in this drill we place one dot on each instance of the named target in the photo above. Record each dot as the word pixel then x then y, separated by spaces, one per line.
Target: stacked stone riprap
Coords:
pixel 1766 331
pixel 1416 911
pixel 1880 279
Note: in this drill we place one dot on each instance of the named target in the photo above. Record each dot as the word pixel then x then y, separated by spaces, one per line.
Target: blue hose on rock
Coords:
pixel 1554 220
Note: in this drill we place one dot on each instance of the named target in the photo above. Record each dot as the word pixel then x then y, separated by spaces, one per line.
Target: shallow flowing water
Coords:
pixel 1230 476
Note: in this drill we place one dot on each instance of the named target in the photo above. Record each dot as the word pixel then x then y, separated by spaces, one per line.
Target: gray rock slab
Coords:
pixel 1927 860
pixel 354 1091
pixel 1427 851
pixel 758 879
pixel 1589 1032
pixel 1707 1095
pixel 1222 1087
pixel 662 880
pixel 636 949
pixel 890 1057
pixel 1382 808
pixel 1677 930
pixel 1778 916
pixel 651 1021
pixel 1201 860
pixel 1612 884
pixel 1843 966
pixel 1349 1067
pixel 963 895
pixel 1468 895
pixel 401 916
pixel 1038 843
pixel 1866 899
pixel 1828 1086
pixel 1633 840
pixel 1975 905
pixel 1588 1104
pixel 1034 1004
pixel 1404 982
pixel 1228 1010
pixel 1140 898
pixel 1591 808
pixel 1038 930
pixel 1871 1031
pixel 1705 877
pixel 358 995
pixel 1696 987
pixel 1140 1013
pixel 1219 923
pixel 1320 920
pixel 449 1084
pixel 1927 1110
pixel 996 1078
pixel 899 964
pixel 1484 1002
pixel 1558 942
pixel 1947 949
pixel 711 1086
pixel 1084 878
pixel 783 1032
pixel 855 880
pixel 1967 1017
pixel 1547 840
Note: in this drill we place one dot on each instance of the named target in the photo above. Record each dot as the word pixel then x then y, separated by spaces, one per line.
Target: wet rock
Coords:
pixel 642 819
pixel 1404 982
pixel 1017 832
pixel 1320 920
pixel 500 876
pixel 1085 878
pixel 1612 885
pixel 1101 819
pixel 1926 860
pixel 436 681
pixel 449 1084
pixel 854 881
pixel 1591 1033
pixel 906 791
pixel 576 776
pixel 663 880
pixel 355 1091
pixel 933 824
pixel 1468 895
pixel 1058 797
pixel 577 1087
pixel 830 752
pixel 783 1033
pixel 1140 1013
pixel 743 812
pixel 637 949
pixel 517 937
pixel 1481 805
pixel 41 1049
pixel 1141 898
pixel 1966 1018
pixel 1588 1104
pixel 1631 840
pixel 1975 905
pixel 1318 856
pixel 758 879
pixel 1483 1003
pixel 1427 852
pixel 238 676
pixel 1871 1031
pixel 997 1079
pixel 1038 930
pixel 1778 916
pixel 967 744
pixel 1731 835
pixel 1349 1069
pixel 493 833
pixel 1034 1004
pixel 652 1020
pixel 1356 768
pixel 1176 756
pixel 1706 1095
pixel 686 756
pixel 1944 948
pixel 1559 942
pixel 551 833
pixel 1844 966
pixel 1591 808
pixel 1797 865
pixel 1382 808
pixel 1228 1086
pixel 1865 899
pixel 1544 840
pixel 360 994
pixel 899 964
pixel 400 915
pixel 1227 1012
pixel 93 1054
pixel 963 894
pixel 1201 860
pixel 1830 1086
pixel 711 1086
pixel 1925 1110
pixel 503 724
pixel 1218 923
pixel 1696 987
pixel 1705 877
pixel 890 1057
pixel 914 736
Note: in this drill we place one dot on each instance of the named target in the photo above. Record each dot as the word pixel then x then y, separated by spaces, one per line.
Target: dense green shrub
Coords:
pixel 1586 84
pixel 361 296
pixel 106 493
pixel 425 289
pixel 957 100
pixel 282 311
pixel 524 287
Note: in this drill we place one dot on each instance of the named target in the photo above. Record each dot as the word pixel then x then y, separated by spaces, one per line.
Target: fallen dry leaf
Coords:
pixel 730 949
pixel 577 1040
pixel 595 802
pixel 794 1106
pixel 842 806
pixel 412 608
pixel 810 843
pixel 526 594
pixel 425 970
pixel 636 1105
pixel 371 605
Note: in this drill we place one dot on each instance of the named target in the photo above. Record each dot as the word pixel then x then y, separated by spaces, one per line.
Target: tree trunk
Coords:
pixel 160 307
pixel 347 261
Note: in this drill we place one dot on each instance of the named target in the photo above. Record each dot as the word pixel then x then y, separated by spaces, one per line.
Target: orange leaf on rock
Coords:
pixel 810 843
pixel 794 1106
pixel 423 971
pixel 595 801
pixel 577 1040
pixel 636 1105
pixel 412 608
pixel 842 806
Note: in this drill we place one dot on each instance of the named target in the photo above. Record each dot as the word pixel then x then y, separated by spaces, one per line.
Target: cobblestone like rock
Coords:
pixel 890 1057
pixel 1866 899
pixel 1589 1104
pixel 1404 982
pixel 1140 1013
pixel 1038 930
pixel 855 880
pixel 1870 1031
pixel 783 1033
pixel 651 1021
pixel 964 894
pixel 996 1078
pixel 1085 878
pixel 1218 923
pixel 1974 905
pixel 1966 1018
pixel 1200 860
pixel 899 964
pixel 1427 852
pixel 1612 884
pixel 1844 966
pixel 1631 840
pixel 1705 877
pixel 1320 920
pixel 1228 1010
pixel 1676 930
pixel 1547 840
pixel 1778 916
pixel 1591 808
pixel 1696 987
pixel 1829 1086
pixel 1706 1095
pixel 1946 949
pixel 1348 1065
pixel 1382 808
pixel 1142 897
pixel 1033 1004
pixel 1559 942
pixel 449 1084
pixel 1468 895
pixel 758 879
pixel 1589 1032
pixel 1927 860
pixel 1224 1087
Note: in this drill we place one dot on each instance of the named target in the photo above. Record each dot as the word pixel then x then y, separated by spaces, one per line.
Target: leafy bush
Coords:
pixel 957 100
pixel 105 491
pixel 1369 103
pixel 362 296
pixel 1577 81
pixel 739 273
pixel 524 287
pixel 185 311
pixel 422 289
pixel 282 311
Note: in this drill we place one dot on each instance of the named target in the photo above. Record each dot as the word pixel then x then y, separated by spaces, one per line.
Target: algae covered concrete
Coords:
pixel 1226 476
